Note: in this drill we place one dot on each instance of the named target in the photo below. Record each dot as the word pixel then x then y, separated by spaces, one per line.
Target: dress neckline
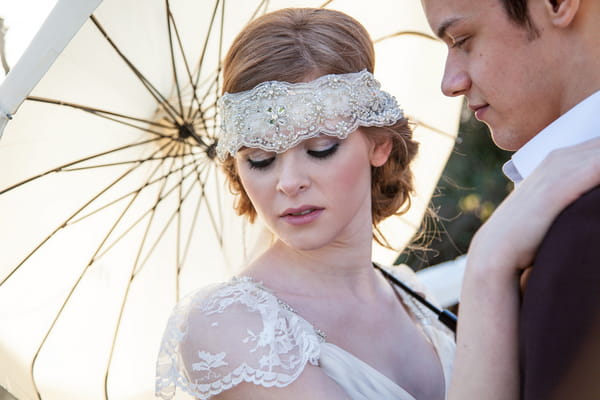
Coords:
pixel 413 307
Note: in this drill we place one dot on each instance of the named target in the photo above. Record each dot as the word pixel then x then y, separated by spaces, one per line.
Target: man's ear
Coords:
pixel 562 12
pixel 380 151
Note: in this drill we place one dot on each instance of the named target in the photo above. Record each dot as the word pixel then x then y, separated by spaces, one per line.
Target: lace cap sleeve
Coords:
pixel 231 333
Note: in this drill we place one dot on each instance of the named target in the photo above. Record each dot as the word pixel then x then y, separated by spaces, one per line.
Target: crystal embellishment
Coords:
pixel 275 116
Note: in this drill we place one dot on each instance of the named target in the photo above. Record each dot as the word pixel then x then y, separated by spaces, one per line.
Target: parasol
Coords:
pixel 112 206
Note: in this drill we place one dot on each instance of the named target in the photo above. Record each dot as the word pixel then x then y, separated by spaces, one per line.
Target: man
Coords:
pixel 530 70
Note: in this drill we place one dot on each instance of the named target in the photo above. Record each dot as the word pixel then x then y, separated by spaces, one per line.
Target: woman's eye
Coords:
pixel 324 153
pixel 260 164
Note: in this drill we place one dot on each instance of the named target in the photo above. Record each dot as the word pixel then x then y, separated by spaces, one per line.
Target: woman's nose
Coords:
pixel 292 177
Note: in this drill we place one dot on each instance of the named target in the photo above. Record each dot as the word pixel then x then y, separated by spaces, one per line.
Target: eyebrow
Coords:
pixel 441 31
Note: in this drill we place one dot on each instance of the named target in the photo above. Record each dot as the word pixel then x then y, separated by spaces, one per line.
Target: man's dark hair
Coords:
pixel 518 12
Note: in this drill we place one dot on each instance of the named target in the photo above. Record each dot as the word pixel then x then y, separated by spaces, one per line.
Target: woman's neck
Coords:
pixel 331 271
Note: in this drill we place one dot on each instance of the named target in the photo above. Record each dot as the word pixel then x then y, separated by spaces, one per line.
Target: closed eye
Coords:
pixel 459 44
pixel 260 164
pixel 324 153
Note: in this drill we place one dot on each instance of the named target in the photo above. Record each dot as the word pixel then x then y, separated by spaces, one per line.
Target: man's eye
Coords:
pixel 460 42
pixel 324 153
pixel 260 164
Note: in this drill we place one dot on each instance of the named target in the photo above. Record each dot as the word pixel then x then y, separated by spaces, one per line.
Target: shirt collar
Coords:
pixel 577 125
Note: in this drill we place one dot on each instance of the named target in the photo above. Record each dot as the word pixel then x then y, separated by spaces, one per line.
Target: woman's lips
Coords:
pixel 301 216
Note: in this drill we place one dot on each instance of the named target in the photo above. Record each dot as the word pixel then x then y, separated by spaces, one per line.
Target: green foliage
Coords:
pixel 471 187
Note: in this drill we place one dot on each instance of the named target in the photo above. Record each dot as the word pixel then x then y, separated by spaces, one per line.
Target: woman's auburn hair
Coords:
pixel 295 43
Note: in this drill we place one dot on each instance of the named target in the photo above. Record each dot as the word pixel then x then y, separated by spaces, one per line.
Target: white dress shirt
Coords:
pixel 579 124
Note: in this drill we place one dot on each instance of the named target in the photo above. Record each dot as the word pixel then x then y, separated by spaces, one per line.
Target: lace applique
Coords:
pixel 234 332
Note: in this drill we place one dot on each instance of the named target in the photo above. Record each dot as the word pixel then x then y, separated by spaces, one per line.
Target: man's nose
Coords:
pixel 456 80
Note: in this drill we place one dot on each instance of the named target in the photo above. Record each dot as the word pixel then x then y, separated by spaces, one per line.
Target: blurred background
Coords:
pixel 471 187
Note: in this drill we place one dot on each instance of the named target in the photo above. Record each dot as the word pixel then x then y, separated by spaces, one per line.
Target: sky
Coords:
pixel 22 18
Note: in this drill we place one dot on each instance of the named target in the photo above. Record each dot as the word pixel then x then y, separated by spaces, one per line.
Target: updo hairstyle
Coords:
pixel 294 44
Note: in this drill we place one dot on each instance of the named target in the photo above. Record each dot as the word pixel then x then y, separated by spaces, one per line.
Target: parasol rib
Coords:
pixel 407 33
pixel 143 215
pixel 172 53
pixel 113 164
pixel 74 286
pixel 168 107
pixel 100 112
pixel 160 197
pixel 145 185
pixel 61 167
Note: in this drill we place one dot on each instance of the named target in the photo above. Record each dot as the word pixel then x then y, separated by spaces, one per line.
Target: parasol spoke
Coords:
pixel 73 287
pixel 179 227
pixel 154 92
pixel 208 91
pixel 62 167
pixel 147 184
pixel 145 213
pixel 173 24
pixel 173 66
pixel 134 267
pixel 154 205
pixel 202 184
pixel 220 53
pixel 407 33
pixel 192 112
pixel 442 132
pixel 102 113
pixel 166 226
pixel 124 162
pixel 66 222
pixel 220 211
pixel 189 236
pixel 260 9
pixel 205 45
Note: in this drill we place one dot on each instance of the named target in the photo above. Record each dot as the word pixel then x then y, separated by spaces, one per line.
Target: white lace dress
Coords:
pixel 239 331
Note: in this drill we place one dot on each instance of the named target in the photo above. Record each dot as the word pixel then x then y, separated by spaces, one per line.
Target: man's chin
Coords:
pixel 506 140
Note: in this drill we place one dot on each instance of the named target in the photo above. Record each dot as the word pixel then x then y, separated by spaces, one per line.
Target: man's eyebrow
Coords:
pixel 441 31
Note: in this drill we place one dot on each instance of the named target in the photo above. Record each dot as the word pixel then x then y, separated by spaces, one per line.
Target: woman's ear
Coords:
pixel 562 12
pixel 380 151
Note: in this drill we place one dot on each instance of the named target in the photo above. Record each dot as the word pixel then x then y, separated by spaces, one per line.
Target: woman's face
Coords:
pixel 314 194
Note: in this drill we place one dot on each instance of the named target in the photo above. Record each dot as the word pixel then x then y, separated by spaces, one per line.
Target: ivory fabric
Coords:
pixel 239 331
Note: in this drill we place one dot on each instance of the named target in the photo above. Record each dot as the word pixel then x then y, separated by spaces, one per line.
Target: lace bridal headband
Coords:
pixel 275 116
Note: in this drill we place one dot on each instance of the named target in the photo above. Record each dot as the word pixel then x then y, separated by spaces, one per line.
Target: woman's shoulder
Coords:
pixel 407 276
pixel 233 332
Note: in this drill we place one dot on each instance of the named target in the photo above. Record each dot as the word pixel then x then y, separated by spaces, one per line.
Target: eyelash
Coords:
pixel 460 43
pixel 319 154
pixel 324 153
pixel 262 164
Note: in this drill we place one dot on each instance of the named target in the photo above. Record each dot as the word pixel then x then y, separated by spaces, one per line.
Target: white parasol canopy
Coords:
pixel 111 205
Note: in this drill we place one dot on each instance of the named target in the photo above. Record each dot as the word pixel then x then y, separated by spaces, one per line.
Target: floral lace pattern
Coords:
pixel 267 344
pixel 275 116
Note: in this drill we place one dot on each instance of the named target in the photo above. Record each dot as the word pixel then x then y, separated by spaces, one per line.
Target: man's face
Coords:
pixel 507 74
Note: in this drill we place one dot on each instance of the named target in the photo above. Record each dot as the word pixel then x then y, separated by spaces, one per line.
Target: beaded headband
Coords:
pixel 276 116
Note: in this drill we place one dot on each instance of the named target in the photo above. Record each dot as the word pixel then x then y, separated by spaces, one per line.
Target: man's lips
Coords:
pixel 478 110
pixel 476 107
